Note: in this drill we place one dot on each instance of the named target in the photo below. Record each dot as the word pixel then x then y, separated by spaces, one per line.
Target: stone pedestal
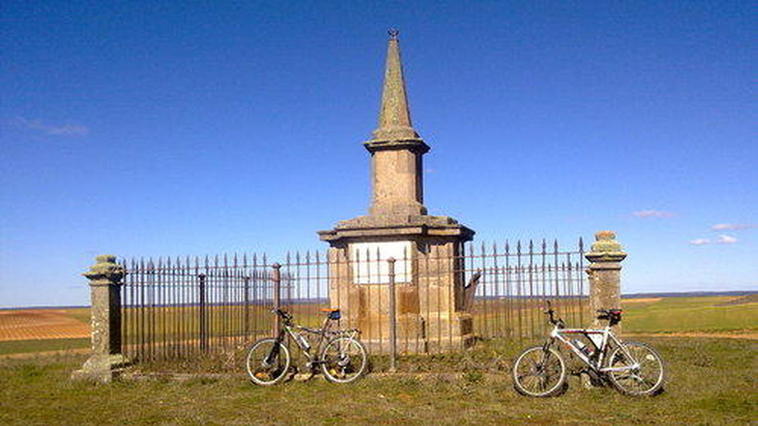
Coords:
pixel 604 272
pixel 106 359
pixel 429 283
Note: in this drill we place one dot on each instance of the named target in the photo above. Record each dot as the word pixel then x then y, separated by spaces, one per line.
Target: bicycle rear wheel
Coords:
pixel 645 380
pixel 343 360
pixel 267 362
pixel 539 373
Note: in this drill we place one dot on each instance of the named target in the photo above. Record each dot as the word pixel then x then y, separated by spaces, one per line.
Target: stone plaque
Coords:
pixel 369 262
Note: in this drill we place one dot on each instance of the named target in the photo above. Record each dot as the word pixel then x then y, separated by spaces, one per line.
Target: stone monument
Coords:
pixel 431 311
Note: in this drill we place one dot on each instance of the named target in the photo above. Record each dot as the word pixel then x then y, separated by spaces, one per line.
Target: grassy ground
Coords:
pixel 710 381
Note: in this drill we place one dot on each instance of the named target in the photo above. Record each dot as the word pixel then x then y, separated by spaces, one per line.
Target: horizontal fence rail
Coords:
pixel 182 308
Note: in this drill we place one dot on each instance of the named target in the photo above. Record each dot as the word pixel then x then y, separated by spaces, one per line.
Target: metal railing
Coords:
pixel 181 308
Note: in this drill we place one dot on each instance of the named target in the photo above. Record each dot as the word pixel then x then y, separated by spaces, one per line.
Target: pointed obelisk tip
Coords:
pixel 394 114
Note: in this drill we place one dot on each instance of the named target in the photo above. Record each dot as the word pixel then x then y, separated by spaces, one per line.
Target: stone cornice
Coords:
pixel 105 271
pixel 415 145
pixel 397 226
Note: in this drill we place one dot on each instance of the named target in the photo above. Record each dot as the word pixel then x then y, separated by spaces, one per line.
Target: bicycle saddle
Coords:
pixel 612 315
pixel 334 313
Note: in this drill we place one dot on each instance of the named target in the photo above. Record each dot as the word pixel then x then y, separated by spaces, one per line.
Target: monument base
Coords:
pixel 101 368
pixel 418 335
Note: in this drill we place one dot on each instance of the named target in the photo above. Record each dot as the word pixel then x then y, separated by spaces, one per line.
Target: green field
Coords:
pixel 28 346
pixel 692 314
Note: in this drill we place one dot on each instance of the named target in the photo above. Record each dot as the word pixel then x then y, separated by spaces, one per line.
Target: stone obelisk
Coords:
pixel 430 280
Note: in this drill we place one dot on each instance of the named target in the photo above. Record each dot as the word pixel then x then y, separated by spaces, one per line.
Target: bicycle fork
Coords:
pixel 274 353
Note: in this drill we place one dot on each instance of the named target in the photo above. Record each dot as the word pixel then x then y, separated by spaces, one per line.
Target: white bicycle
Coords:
pixel 632 368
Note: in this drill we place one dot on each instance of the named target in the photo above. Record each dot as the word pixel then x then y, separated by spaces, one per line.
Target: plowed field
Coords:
pixel 28 324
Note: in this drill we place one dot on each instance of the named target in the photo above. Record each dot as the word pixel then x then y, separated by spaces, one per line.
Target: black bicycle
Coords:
pixel 340 356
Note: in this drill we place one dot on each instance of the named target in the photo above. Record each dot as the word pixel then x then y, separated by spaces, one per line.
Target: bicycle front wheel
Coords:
pixel 343 360
pixel 538 372
pixel 267 362
pixel 647 376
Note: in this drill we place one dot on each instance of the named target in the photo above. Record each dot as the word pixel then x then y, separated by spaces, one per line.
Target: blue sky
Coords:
pixel 173 128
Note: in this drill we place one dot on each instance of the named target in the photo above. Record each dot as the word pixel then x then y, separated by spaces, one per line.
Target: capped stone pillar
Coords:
pixel 105 315
pixel 604 272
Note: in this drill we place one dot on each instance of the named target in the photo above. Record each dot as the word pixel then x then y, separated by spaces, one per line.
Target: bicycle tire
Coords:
pixel 261 374
pixel 340 369
pixel 557 364
pixel 649 360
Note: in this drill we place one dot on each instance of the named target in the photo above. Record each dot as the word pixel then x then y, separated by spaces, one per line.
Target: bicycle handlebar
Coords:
pixel 550 313
pixel 282 313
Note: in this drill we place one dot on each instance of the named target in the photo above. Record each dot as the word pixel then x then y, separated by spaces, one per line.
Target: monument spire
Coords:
pixel 394 114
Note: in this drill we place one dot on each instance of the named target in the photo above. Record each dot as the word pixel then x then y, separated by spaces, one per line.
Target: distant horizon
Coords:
pixel 623 296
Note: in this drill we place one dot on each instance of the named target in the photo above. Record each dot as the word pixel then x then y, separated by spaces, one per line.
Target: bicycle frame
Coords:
pixel 607 338
pixel 293 331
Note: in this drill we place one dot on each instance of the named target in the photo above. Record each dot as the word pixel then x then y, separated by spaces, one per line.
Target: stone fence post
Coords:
pixel 105 284
pixel 604 272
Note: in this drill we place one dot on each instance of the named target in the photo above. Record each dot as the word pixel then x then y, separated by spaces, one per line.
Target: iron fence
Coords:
pixel 183 307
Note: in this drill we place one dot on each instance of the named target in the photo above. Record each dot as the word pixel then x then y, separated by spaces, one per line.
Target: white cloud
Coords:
pixel 732 226
pixel 652 213
pixel 51 130
pixel 722 239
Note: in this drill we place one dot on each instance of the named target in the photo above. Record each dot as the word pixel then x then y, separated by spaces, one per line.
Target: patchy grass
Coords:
pixel 710 381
